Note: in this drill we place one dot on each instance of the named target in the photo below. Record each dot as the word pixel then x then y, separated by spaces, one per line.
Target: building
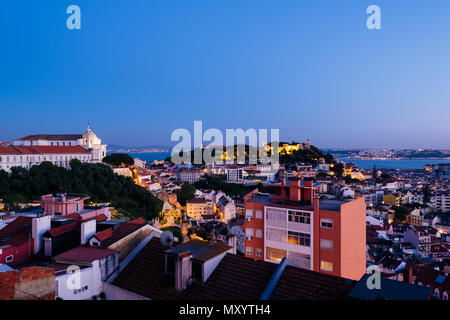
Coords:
pixel 441 202
pixel 65 204
pixel 326 236
pixel 59 149
pixel 197 207
pixel 31 283
pixel 392 199
pixel 235 174
pixel 421 241
pixel 92 266
pixel 190 175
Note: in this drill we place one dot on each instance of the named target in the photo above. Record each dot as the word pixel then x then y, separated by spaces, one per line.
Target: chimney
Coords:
pixel 39 226
pixel 183 270
pixel 88 229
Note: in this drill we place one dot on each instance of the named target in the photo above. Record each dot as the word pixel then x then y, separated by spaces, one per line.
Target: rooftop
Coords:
pixel 200 250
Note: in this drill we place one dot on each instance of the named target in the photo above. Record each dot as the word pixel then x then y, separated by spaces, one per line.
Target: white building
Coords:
pixel 441 202
pixel 59 149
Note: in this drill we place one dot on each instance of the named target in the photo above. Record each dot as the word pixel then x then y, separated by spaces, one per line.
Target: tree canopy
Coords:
pixel 95 180
pixel 118 160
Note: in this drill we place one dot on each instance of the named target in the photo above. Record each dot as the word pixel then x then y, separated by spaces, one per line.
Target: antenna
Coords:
pixel 167 238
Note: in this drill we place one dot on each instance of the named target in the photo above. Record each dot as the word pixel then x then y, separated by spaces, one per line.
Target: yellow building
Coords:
pixel 415 218
pixel 393 199
pixel 287 148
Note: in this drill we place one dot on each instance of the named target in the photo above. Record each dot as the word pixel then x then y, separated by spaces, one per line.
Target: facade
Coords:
pixel 190 175
pixel 235 174
pixel 57 149
pixel 33 283
pixel 197 207
pixel 65 204
pixel 441 202
pixel 326 236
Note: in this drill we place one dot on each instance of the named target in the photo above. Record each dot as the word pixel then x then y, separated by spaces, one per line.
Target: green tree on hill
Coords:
pixel 118 160
pixel 95 180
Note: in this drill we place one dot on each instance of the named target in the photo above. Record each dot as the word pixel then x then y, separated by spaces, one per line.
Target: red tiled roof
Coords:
pixel 59 137
pixel 235 278
pixel 105 234
pixel 17 232
pixel 301 284
pixel 87 254
pixel 18 150
pixel 144 275
pixel 101 218
pixel 124 230
pixel 55 232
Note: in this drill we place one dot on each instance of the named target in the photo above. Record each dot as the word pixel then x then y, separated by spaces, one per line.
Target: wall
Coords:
pixel 28 284
pixel 353 239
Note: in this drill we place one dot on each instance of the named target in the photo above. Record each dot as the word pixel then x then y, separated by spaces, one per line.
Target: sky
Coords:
pixel 137 70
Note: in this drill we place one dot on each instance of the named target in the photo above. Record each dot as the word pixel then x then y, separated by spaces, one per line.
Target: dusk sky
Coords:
pixel 139 69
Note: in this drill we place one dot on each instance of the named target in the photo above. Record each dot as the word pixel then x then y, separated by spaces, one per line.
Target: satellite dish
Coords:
pixel 167 238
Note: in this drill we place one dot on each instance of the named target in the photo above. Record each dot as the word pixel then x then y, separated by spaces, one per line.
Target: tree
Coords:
pixel 401 213
pixel 186 192
pixel 119 160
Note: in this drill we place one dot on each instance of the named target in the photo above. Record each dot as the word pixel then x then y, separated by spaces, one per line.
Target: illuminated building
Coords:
pixel 327 236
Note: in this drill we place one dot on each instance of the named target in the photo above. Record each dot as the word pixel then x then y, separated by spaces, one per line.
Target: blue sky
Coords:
pixel 139 69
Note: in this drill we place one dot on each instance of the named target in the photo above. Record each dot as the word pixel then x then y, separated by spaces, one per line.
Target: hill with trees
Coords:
pixel 96 180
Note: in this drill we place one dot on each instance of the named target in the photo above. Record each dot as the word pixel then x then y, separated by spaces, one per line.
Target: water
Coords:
pixel 150 156
pixel 394 164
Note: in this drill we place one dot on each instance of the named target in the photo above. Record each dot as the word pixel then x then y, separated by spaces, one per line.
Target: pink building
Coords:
pixel 63 205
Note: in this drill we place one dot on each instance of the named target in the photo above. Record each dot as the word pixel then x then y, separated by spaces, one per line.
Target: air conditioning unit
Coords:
pixel 248 237
pixel 249 218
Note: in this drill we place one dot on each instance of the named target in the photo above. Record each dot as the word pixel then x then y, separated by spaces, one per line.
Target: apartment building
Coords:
pixel 321 235
pixel 441 202
pixel 197 207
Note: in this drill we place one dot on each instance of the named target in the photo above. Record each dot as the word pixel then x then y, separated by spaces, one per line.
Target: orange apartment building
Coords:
pixel 327 236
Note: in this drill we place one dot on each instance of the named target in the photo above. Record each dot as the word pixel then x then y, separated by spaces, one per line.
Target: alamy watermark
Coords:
pixel 251 146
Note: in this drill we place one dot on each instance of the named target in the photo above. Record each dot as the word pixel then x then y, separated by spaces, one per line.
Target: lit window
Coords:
pixel 275 254
pixel 301 239
pixel 326 266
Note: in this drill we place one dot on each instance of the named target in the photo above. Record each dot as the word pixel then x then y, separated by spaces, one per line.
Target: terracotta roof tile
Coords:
pixel 17 232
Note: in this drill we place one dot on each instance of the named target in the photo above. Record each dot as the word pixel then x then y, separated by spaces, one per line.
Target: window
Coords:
pixel 258 214
pixel 326 244
pixel 301 239
pixel 258 252
pixel 275 254
pixel 326 266
pixel 258 233
pixel 197 271
pixel 276 235
pixel 326 223
pixel 249 214
pixel 9 258
pixel 249 232
pixel 249 251
pixel 445 296
pixel 300 217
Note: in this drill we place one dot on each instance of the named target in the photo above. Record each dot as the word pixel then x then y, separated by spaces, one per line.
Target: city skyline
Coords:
pixel 313 71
